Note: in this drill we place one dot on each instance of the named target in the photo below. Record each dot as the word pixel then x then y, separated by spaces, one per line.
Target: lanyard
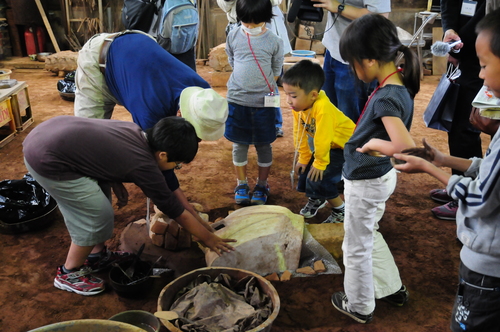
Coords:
pixel 258 64
pixel 374 91
pixel 298 143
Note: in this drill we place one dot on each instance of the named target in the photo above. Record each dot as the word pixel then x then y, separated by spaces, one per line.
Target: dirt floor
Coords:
pixel 425 248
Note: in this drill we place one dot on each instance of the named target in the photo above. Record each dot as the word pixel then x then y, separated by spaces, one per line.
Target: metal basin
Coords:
pixel 94 325
pixel 42 56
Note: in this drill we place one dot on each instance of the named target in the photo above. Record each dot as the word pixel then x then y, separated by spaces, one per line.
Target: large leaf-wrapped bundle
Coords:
pixel 269 239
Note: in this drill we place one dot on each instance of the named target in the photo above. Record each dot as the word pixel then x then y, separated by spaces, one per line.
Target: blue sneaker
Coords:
pixel 242 194
pixel 259 196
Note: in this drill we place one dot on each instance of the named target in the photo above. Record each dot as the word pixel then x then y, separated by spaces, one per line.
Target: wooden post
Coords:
pixel 47 25
pixel 66 6
pixel 439 63
pixel 101 17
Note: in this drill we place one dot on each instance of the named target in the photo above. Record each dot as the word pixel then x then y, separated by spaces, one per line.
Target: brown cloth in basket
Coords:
pixel 221 305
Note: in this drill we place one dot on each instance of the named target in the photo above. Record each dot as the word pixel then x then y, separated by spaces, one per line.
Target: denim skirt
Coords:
pixel 250 125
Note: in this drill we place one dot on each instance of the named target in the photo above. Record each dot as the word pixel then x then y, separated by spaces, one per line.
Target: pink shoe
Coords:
pixel 447 211
pixel 440 195
pixel 80 282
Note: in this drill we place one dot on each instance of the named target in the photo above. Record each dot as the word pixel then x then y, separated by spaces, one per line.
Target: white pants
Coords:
pixel 370 270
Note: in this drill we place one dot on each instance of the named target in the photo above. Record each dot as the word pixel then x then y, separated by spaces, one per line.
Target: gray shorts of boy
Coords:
pixel 85 205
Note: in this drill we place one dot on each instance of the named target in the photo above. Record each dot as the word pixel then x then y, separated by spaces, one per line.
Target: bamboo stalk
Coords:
pixel 101 17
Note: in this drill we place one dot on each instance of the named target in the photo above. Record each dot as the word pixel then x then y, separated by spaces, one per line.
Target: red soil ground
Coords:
pixel 424 248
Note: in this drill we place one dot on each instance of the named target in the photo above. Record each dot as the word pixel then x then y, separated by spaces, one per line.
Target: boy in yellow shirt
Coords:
pixel 320 131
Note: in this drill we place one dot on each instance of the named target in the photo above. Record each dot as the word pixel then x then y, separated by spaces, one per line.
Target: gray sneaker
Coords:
pixel 337 216
pixel 339 301
pixel 312 207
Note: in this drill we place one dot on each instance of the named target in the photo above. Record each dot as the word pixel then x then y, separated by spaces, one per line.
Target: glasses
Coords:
pixel 178 166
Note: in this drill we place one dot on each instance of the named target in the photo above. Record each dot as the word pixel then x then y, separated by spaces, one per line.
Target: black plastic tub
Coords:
pixel 141 282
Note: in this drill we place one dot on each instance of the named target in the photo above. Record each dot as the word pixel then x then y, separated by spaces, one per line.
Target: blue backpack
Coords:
pixel 178 29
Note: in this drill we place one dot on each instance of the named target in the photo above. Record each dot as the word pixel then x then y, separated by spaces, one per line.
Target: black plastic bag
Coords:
pixel 22 199
pixel 66 87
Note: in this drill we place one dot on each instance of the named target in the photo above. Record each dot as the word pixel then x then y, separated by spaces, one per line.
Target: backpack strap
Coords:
pixel 103 53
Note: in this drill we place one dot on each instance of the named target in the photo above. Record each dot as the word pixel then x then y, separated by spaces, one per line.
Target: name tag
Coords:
pixel 468 8
pixel 272 100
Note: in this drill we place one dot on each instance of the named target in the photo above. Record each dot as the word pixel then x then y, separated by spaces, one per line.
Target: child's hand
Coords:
pixel 300 168
pixel 413 164
pixel 438 156
pixel 218 244
pixel 427 152
pixel 315 174
pixel 371 147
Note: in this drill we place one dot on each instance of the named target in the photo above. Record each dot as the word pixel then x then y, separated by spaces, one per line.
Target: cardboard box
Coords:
pixel 318 47
pixel 21 107
pixel 304 32
pixel 302 44
pixel 7 123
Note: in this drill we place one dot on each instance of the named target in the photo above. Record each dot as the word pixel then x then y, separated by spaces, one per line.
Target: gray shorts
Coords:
pixel 264 154
pixel 85 205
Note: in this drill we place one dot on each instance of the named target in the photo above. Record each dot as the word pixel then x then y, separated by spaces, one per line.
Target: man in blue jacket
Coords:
pixel 129 68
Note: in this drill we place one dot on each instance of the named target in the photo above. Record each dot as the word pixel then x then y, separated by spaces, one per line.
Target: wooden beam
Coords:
pixel 47 25
pixel 101 17
pixel 66 7
pixel 439 63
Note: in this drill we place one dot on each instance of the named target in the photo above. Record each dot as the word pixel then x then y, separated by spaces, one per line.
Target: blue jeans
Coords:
pixel 326 188
pixel 344 89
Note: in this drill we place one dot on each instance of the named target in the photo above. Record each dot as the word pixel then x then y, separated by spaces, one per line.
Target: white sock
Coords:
pixel 262 183
pixel 340 207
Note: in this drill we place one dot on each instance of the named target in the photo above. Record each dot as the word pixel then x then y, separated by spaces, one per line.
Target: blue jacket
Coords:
pixel 146 79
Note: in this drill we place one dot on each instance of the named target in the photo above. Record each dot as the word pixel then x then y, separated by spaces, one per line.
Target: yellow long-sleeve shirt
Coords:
pixel 327 125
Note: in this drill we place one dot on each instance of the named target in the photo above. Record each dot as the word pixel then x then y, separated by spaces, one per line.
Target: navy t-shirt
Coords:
pixel 390 100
